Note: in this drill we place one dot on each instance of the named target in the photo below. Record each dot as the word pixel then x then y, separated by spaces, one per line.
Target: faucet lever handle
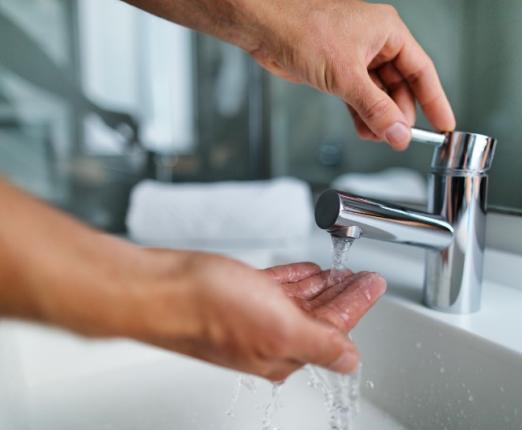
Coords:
pixel 425 136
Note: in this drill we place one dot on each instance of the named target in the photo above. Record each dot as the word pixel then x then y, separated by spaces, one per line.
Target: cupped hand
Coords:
pixel 341 303
pixel 361 52
pixel 268 323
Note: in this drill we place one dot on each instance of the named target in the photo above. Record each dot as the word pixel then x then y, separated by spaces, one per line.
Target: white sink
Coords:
pixel 421 370
pixel 79 384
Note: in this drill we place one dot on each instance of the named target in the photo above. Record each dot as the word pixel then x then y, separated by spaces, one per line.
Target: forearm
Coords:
pixel 54 269
pixel 248 24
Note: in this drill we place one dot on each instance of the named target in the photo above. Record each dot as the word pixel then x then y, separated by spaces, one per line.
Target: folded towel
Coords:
pixel 395 184
pixel 278 210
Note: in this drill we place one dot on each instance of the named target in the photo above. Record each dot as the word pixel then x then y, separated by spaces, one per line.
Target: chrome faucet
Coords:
pixel 452 230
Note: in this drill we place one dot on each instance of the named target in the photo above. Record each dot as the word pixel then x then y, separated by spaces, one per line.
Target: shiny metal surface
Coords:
pixel 425 136
pixel 452 231
pixel 453 276
pixel 380 220
pixel 457 151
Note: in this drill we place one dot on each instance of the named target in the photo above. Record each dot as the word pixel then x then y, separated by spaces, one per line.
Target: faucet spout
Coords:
pixel 341 213
pixel 452 231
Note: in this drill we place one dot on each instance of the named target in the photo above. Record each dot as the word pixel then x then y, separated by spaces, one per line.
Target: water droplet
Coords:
pixel 437 355
pixel 470 398
pixel 369 384
pixel 442 370
pixel 235 396
pixel 273 405
pixel 249 383
pixel 501 388
pixel 418 345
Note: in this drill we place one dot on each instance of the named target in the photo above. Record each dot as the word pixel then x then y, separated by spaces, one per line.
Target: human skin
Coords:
pixel 361 52
pixel 55 270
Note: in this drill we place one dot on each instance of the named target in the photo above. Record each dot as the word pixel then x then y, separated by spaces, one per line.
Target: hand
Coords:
pixel 341 304
pixel 360 52
pixel 221 311
pixel 56 271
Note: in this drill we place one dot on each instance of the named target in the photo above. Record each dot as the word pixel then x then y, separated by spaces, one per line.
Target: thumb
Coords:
pixel 321 344
pixel 378 111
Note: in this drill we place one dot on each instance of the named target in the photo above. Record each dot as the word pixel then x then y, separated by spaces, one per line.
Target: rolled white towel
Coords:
pixel 278 210
pixel 395 184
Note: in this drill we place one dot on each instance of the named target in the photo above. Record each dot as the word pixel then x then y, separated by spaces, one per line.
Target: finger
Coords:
pixel 320 344
pixel 399 91
pixel 279 370
pixel 362 129
pixel 377 110
pixel 333 291
pixel 376 79
pixel 294 272
pixel 311 287
pixel 308 288
pixel 346 309
pixel 420 73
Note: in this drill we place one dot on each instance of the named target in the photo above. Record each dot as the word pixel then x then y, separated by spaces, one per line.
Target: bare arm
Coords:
pixel 57 271
pixel 361 52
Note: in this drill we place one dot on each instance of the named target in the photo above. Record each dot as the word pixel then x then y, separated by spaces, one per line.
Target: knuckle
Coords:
pixel 374 110
pixel 283 339
pixel 278 375
pixel 388 10
pixel 415 77
pixel 264 369
pixel 278 344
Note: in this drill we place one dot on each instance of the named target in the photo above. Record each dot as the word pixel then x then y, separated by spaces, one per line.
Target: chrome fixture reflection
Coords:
pixel 452 230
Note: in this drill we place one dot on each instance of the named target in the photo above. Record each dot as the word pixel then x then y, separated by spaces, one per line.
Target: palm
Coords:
pixel 342 303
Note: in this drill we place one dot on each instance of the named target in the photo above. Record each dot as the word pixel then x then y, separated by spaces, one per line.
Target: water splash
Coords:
pixel 341 248
pixel 272 407
pixel 340 392
pixel 245 381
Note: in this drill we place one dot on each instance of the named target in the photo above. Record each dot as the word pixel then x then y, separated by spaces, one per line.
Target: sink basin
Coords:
pixel 421 370
pixel 429 375
pixel 81 384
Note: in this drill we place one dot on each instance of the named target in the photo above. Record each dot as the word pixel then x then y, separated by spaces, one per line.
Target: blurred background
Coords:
pixel 96 96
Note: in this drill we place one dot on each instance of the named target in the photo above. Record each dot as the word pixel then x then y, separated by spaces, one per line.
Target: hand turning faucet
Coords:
pixel 452 231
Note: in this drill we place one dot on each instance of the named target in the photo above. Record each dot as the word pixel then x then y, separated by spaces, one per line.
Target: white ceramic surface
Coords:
pixel 421 369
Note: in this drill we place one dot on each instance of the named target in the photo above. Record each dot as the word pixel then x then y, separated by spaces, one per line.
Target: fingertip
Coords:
pixel 400 147
pixel 378 284
pixel 398 135
pixel 452 122
pixel 347 362
pixel 444 120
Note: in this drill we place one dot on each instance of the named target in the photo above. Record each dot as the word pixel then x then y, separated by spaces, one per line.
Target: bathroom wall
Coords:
pixel 104 95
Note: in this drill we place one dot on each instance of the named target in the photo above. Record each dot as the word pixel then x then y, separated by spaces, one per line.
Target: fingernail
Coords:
pixel 346 363
pixel 398 135
pixel 376 286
